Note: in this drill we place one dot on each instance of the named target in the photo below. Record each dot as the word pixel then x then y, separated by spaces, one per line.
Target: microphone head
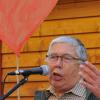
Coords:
pixel 45 69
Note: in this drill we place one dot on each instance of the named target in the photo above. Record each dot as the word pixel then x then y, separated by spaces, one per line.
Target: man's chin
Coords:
pixel 57 78
pixel 56 84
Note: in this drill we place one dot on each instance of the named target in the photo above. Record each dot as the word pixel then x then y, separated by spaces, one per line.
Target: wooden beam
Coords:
pixel 73 1
pixel 75 10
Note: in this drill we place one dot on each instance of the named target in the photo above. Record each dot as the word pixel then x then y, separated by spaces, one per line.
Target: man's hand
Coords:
pixel 91 76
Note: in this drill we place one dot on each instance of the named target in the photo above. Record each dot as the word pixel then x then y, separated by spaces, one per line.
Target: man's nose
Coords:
pixel 59 62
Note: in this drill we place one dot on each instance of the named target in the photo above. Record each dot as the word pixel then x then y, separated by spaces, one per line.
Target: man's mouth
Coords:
pixel 56 76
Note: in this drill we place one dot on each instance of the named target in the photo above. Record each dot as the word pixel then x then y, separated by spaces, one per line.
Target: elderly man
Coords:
pixel 71 76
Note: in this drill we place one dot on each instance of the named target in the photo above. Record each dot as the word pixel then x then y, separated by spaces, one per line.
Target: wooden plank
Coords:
pixel 75 10
pixel 91 40
pixel 34 42
pixel 22 98
pixel 85 0
pixel 65 1
pixel 36 32
pixel 94 55
pixel 98 66
pixel 70 26
pixel 28 88
pixel 73 1
pixel 97 57
pixel 25 59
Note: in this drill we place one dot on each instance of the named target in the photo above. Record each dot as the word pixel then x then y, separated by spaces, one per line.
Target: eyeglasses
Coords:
pixel 65 58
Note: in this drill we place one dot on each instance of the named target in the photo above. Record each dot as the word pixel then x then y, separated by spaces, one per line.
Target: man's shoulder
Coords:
pixel 92 97
pixel 44 95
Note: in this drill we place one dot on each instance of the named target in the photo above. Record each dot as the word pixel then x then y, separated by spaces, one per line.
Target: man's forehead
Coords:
pixel 62 48
pixel 63 45
pixel 63 54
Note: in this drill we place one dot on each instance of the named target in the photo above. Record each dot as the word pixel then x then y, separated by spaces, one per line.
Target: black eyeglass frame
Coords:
pixel 71 57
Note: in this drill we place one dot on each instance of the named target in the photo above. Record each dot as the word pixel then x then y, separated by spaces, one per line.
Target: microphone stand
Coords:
pixel 24 80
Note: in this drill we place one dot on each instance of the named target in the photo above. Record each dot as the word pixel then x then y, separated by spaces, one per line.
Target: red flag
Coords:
pixel 19 18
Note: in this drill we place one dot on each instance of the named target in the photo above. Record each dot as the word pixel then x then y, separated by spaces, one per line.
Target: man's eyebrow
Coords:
pixel 61 54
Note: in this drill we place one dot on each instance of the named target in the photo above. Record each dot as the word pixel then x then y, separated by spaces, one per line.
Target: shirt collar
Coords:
pixel 78 89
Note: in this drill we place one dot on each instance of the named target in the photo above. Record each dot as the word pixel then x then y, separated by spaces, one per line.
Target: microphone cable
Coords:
pixel 3 84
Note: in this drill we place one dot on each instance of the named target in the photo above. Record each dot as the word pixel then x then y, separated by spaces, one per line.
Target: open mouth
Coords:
pixel 54 73
pixel 57 76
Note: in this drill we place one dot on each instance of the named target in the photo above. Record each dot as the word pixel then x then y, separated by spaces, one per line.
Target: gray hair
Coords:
pixel 80 50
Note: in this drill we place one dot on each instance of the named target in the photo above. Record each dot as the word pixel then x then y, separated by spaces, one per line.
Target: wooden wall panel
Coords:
pixel 27 89
pixel 22 98
pixel 35 43
pixel 25 59
pixel 90 40
pixel 98 66
pixel 41 43
pixel 73 1
pixel 71 26
pixel 37 32
pixel 76 10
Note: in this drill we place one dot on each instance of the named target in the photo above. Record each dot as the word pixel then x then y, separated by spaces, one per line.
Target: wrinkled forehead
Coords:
pixel 65 39
pixel 62 48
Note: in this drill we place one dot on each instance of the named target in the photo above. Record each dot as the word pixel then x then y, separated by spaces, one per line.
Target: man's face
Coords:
pixel 63 70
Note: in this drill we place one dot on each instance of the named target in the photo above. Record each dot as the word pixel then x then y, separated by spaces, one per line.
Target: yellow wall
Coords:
pixel 80 19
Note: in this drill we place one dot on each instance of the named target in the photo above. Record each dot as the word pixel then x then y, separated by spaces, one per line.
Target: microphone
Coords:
pixel 43 70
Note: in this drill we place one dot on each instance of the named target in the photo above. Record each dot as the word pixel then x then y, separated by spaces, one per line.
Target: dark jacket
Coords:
pixel 92 97
pixel 44 95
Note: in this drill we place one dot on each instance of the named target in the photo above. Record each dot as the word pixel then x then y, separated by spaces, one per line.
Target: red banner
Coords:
pixel 19 19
